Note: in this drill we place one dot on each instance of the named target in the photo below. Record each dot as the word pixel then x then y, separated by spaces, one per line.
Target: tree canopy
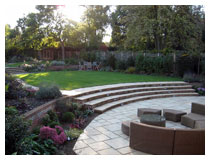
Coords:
pixel 136 28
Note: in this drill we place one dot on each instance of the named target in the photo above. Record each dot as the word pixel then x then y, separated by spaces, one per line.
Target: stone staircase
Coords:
pixel 14 70
pixel 103 98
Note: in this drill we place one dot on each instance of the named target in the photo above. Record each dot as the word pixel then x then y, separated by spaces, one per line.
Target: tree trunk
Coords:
pixel 63 51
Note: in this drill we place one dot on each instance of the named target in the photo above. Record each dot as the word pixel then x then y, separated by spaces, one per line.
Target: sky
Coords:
pixel 73 12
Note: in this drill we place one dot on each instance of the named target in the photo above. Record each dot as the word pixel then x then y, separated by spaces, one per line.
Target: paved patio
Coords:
pixel 103 135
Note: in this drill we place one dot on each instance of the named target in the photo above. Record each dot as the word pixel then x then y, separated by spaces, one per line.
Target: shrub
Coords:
pixel 201 91
pixel 190 77
pixel 50 119
pixel 72 61
pixel 15 129
pixel 139 62
pixel 33 145
pixel 78 123
pixel 46 120
pixel 57 63
pixel 73 133
pixel 36 130
pixel 51 133
pixel 130 62
pixel 62 106
pixel 88 112
pixel 48 92
pixel 186 63
pixel 131 70
pixel 53 124
pixel 158 64
pixel 111 61
pixel 121 65
pixel 68 117
pixel 53 116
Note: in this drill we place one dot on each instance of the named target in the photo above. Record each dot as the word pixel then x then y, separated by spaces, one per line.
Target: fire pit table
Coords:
pixel 153 119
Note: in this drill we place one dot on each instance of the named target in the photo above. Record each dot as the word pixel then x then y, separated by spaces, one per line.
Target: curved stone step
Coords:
pixel 91 90
pixel 14 70
pixel 94 96
pixel 109 106
pixel 105 100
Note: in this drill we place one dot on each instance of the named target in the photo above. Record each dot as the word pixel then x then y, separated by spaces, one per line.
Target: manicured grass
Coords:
pixel 68 80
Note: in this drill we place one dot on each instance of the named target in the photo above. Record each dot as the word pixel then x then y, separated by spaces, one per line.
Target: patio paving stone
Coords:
pixel 99 138
pixel 86 151
pixel 126 150
pixel 117 143
pixel 104 136
pixel 109 151
pixel 99 146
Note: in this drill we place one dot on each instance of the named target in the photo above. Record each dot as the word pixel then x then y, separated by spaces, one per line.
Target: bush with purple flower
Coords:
pixel 56 134
pixel 201 91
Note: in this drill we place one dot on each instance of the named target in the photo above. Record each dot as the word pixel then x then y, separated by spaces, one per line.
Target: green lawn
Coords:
pixel 14 64
pixel 68 80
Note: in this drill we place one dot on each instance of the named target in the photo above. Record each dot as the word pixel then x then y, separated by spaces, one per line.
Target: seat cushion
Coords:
pixel 189 119
pixel 173 115
pixel 142 111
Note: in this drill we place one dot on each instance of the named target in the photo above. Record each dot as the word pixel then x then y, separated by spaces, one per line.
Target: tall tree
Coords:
pixel 97 19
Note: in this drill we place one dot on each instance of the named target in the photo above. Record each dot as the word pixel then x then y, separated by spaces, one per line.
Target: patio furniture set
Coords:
pixel 151 136
pixel 89 66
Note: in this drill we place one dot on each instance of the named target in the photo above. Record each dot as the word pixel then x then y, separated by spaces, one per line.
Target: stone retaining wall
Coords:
pixel 37 113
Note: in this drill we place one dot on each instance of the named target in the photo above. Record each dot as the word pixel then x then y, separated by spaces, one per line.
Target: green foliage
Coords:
pixel 53 124
pixel 68 117
pixel 190 77
pixel 130 62
pixel 50 119
pixel 15 129
pixel 62 106
pixel 111 61
pixel 57 63
pixel 36 130
pixel 46 120
pixel 73 133
pixel 53 115
pixel 121 65
pixel 72 61
pixel 130 70
pixel 88 56
pixel 157 64
pixel 159 28
pixel 33 145
pixel 48 92
pixel 6 87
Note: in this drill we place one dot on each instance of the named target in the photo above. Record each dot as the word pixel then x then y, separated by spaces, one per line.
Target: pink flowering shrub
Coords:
pixel 47 132
pixel 60 139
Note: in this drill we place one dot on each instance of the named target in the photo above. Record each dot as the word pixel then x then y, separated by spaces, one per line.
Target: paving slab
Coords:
pixel 85 151
pixel 106 128
pixel 117 143
pixel 99 146
pixel 109 151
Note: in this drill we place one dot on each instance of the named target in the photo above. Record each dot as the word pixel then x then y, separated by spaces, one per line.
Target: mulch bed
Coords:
pixel 67 148
pixel 25 104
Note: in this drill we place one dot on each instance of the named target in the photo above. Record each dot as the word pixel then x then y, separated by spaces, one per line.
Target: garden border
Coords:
pixel 37 113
